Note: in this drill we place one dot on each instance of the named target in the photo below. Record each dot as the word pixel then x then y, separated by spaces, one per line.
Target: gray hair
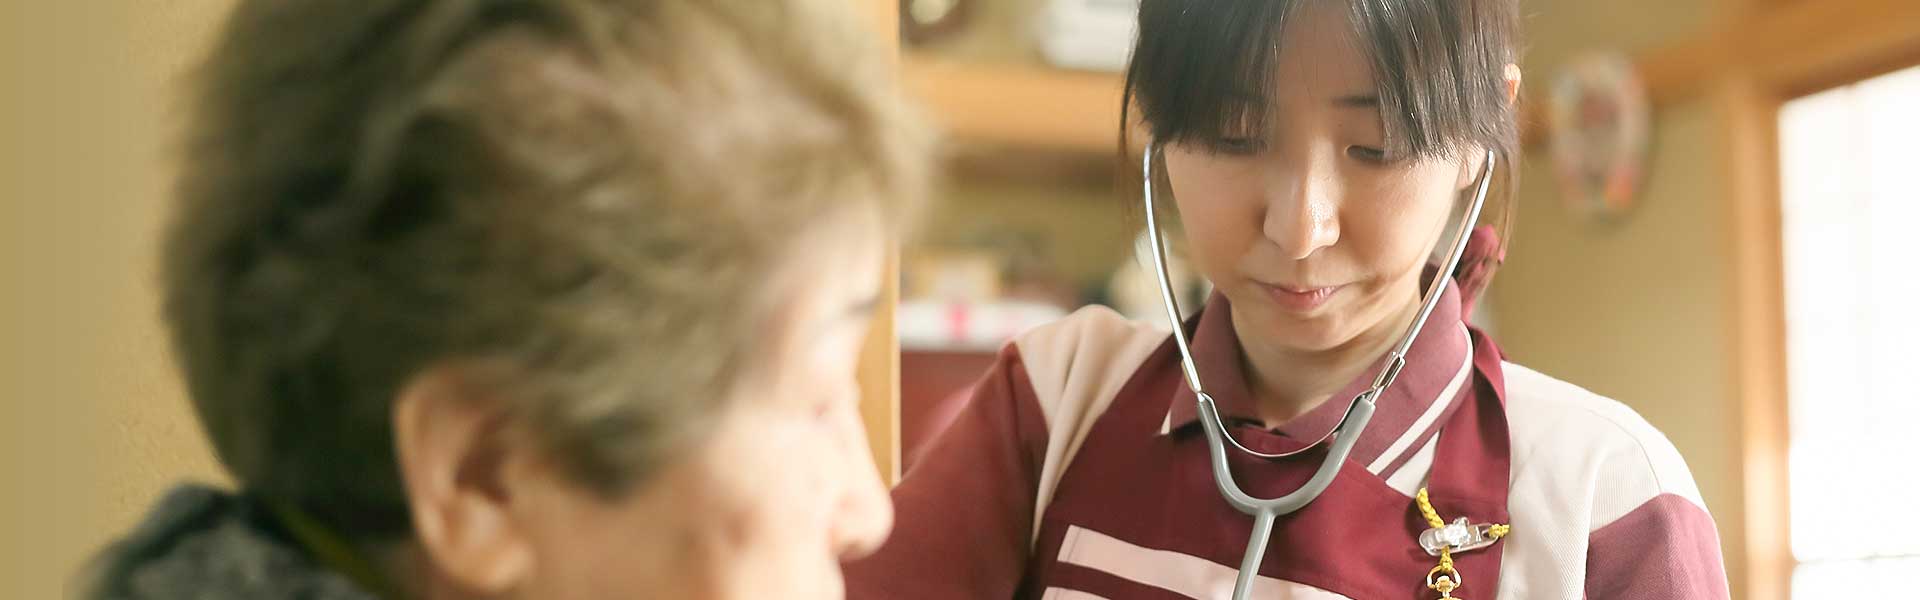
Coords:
pixel 579 194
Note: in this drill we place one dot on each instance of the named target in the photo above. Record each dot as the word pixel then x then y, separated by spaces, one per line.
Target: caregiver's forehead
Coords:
pixel 1321 57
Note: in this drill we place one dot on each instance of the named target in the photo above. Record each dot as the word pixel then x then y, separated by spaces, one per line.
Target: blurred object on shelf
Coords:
pixel 1600 117
pixel 1042 284
pixel 958 325
pixel 952 275
pixel 1095 35
pixel 922 21
pixel 1134 290
pixel 977 32
pixel 1032 274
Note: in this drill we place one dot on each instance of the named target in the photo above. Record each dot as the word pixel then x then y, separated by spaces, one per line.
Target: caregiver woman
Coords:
pixel 1317 151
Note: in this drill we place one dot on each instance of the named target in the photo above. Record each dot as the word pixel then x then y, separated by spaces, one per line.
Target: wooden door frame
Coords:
pixel 1754 319
pixel 879 373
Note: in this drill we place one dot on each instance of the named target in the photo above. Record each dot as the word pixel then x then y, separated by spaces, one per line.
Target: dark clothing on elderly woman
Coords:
pixel 201 543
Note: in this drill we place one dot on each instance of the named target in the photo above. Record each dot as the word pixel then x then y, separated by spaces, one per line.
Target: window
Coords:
pixel 1850 221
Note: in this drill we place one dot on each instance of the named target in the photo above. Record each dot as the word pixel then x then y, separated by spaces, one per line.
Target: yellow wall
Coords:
pixel 1632 310
pixel 93 423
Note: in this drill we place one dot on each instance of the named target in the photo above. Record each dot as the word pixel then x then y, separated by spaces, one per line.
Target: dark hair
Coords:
pixel 1202 68
pixel 576 198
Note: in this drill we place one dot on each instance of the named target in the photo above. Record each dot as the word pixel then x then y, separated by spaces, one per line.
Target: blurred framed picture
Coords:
pixel 1598 118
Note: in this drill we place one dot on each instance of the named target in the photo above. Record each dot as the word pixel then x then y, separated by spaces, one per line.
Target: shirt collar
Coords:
pixel 1432 363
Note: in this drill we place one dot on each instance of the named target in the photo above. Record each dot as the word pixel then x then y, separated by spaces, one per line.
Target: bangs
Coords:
pixel 1203 72
pixel 1198 74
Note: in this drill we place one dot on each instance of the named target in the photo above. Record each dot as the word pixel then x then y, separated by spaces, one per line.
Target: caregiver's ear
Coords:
pixel 456 457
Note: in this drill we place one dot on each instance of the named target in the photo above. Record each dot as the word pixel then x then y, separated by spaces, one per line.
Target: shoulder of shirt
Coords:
pixel 1076 366
pixel 1565 435
pixel 1083 356
pixel 1092 322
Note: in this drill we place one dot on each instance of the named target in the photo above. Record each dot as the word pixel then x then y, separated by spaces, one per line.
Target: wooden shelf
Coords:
pixel 1024 106
pixel 1035 107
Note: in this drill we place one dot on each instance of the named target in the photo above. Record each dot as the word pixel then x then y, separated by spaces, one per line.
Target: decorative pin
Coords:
pixel 1445 538
pixel 1459 536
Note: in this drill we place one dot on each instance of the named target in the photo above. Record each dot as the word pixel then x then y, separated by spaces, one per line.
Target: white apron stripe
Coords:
pixel 1189 576
pixel 1066 594
pixel 1412 475
pixel 1433 413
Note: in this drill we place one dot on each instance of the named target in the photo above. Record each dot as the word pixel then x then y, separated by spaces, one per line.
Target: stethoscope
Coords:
pixel 1344 434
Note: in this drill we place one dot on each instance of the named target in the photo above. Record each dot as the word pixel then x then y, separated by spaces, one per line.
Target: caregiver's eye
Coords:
pixel 1235 145
pixel 1369 155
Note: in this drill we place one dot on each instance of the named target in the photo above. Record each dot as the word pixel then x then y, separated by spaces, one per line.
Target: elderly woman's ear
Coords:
pixel 467 474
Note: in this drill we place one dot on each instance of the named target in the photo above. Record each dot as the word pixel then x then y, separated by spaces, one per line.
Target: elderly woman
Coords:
pixel 528 299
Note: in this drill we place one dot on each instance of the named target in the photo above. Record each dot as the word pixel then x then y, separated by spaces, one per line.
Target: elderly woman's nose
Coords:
pixel 864 514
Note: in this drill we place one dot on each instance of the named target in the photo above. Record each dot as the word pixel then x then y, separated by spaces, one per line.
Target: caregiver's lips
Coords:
pixel 1296 299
